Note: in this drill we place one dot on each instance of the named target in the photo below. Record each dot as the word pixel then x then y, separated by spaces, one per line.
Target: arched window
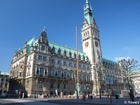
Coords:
pixel 46 72
pixel 62 75
pixel 56 73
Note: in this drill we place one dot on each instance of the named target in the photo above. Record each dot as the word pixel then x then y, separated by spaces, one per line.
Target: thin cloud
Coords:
pixel 120 58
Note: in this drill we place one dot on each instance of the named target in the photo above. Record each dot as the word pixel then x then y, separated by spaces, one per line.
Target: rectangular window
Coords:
pixel 64 86
pixel 37 71
pixel 53 60
pixel 20 74
pixel 59 62
pixel 39 57
pixel 70 64
pixel 79 66
pixel 65 63
pixel 52 73
pixel 41 72
pixel 59 73
pixel 65 75
pixel 51 85
pixel 58 86
pixel 42 48
pixel 87 67
pixel 74 64
pixel 84 67
pixel 44 58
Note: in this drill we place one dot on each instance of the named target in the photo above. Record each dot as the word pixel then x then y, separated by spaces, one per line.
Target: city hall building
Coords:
pixel 43 67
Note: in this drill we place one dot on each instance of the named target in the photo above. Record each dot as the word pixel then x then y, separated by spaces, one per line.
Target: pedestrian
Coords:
pixel 19 94
pixel 84 97
pixel 23 95
pixel 131 96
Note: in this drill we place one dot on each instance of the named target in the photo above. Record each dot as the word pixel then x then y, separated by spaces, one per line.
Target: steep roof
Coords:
pixel 33 42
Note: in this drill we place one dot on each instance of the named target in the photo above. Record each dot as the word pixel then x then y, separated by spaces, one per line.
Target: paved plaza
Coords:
pixel 62 101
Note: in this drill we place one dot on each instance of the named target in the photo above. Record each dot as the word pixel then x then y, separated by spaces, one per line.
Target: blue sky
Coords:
pixel 117 20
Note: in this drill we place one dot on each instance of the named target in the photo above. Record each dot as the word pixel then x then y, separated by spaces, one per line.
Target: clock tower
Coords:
pixel 91 42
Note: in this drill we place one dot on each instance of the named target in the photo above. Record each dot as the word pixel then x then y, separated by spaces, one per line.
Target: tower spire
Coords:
pixel 44 28
pixel 87 4
pixel 88 13
pixel 86 1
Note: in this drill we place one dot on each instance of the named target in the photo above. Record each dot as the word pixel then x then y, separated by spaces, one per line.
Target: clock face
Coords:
pixel 86 44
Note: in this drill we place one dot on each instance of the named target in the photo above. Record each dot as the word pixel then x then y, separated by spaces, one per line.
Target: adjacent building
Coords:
pixel 136 81
pixel 4 80
pixel 43 67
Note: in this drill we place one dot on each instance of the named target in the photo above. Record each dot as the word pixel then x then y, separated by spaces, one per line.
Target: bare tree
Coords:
pixel 127 68
pixel 99 82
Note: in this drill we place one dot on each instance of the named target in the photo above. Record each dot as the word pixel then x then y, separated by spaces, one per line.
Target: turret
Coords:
pixel 43 37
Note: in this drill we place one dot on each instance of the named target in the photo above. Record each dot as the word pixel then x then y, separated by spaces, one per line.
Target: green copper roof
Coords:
pixel 108 61
pixel 89 19
pixel 33 42
pixel 108 64
pixel 65 49
pixel 29 44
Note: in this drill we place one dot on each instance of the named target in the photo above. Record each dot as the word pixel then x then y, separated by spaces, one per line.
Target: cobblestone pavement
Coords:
pixel 5 102
pixel 95 101
pixel 62 101
pixel 71 103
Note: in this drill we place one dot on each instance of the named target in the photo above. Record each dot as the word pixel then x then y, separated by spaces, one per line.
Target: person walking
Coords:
pixel 84 97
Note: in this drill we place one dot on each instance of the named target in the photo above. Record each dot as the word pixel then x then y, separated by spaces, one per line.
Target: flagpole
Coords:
pixel 77 65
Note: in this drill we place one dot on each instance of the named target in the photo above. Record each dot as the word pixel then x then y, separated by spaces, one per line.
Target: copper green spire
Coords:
pixel 88 13
pixel 86 1
pixel 87 4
